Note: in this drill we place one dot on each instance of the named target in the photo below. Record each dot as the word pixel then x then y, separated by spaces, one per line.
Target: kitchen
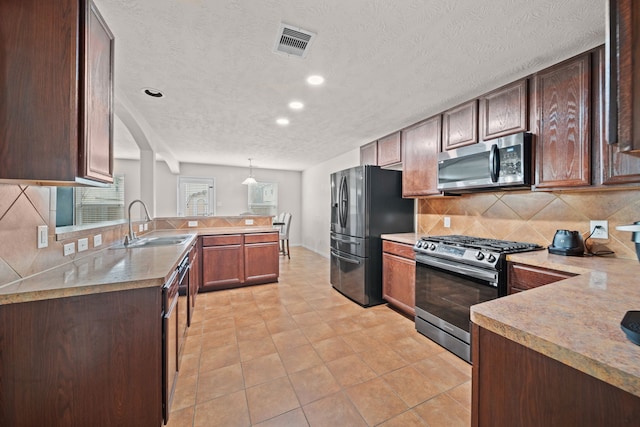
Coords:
pixel 526 217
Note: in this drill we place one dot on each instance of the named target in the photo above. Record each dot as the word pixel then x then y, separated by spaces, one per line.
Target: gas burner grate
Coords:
pixel 472 242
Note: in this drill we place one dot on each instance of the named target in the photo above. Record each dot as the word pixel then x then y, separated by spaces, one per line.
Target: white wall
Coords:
pixel 231 195
pixel 316 200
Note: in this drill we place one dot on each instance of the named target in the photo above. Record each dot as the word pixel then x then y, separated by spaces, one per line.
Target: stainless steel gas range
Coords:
pixel 452 274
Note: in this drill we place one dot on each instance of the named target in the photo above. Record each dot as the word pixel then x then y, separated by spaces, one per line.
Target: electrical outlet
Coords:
pixel 447 222
pixel 83 244
pixel 600 233
pixel 140 228
pixel 69 248
pixel 248 222
pixel 43 237
pixel 97 240
pixel 146 226
pixel 193 223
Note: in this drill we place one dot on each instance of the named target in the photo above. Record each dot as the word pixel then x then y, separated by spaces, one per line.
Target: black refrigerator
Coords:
pixel 366 201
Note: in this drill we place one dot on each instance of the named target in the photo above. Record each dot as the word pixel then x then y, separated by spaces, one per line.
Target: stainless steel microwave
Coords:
pixel 500 163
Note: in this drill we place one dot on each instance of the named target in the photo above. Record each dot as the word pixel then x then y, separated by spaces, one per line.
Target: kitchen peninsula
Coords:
pixel 87 337
pixel 556 355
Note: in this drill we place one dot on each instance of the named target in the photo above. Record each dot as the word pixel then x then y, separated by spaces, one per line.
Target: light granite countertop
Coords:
pixel 112 269
pixel 575 321
pixel 407 238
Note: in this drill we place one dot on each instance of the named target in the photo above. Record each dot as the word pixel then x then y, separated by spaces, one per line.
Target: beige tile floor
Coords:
pixel 298 353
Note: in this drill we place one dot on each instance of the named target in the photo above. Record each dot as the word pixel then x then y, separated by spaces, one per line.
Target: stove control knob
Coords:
pixel 432 247
pixel 418 244
pixel 479 256
pixel 491 258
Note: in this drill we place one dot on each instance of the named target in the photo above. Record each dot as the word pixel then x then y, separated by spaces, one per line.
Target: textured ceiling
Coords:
pixel 387 64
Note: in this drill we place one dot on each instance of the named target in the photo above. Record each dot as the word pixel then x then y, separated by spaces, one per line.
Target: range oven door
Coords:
pixel 445 292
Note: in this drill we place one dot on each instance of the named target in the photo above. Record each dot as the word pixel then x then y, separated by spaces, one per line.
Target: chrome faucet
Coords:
pixel 132 236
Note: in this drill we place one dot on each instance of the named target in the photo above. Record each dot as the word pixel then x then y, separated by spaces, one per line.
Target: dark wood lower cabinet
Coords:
pixel 521 277
pixel 513 385
pixel 230 261
pixel 399 276
pixel 261 258
pixel 92 360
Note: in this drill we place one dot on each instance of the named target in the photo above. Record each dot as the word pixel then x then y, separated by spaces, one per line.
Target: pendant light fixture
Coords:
pixel 250 179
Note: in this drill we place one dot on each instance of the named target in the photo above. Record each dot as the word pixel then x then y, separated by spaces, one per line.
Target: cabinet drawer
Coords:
pixel 261 237
pixel 522 277
pixel 400 249
pixel 225 239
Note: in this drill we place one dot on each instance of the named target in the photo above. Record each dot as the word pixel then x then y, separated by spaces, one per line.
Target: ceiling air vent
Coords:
pixel 293 41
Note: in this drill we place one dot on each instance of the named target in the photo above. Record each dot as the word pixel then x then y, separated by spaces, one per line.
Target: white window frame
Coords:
pixel 181 205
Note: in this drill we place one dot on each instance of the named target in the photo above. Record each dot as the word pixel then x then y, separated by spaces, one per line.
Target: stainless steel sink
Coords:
pixel 145 242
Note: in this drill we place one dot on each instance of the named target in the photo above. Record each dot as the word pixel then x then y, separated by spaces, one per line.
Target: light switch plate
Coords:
pixel 43 236
pixel 69 248
pixel 83 244
pixel 447 222
pixel 140 228
pixel 97 240
pixel 248 222
pixel 193 223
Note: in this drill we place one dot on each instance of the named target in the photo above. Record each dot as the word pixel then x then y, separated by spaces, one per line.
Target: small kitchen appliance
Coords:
pixel 631 326
pixel 452 274
pixel 567 243
pixel 635 234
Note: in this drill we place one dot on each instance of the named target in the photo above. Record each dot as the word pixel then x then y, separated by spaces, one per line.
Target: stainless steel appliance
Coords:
pixel 366 201
pixel 500 163
pixel 452 274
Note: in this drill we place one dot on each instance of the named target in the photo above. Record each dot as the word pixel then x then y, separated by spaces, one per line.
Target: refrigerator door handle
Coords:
pixel 343 210
pixel 340 257
pixel 350 242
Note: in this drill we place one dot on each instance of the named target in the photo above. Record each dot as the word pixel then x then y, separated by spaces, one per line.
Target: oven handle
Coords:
pixel 460 268
pixel 352 261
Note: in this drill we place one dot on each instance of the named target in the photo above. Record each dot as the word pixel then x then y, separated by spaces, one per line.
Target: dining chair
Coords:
pixel 284 234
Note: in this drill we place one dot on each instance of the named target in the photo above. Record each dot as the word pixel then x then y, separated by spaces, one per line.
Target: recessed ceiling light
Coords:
pixel 155 93
pixel 315 80
pixel 296 105
pixel 282 121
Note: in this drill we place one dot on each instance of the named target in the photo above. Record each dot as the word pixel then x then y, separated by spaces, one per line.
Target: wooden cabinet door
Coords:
pixel 522 277
pixel 628 57
pixel 369 154
pixel 390 150
pixel 399 277
pixel 96 142
pixel 460 125
pixel 222 267
pixel 421 145
pixel 563 97
pixel 613 166
pixel 57 57
pixel 261 262
pixel 504 111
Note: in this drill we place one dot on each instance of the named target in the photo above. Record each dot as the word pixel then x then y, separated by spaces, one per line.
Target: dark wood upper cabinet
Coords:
pixel 627 14
pixel 610 165
pixel 56 103
pixel 421 144
pixel 369 154
pixel 504 111
pixel 563 97
pixel 460 125
pixel 390 150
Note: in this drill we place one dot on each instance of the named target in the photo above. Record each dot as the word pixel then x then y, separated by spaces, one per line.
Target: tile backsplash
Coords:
pixel 523 216
pixel 534 216
pixel 24 208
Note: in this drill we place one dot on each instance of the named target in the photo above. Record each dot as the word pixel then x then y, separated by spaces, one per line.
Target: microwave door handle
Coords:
pixel 494 163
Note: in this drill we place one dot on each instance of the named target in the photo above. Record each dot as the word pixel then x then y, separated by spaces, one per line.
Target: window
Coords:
pixel 196 196
pixel 90 205
pixel 263 198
